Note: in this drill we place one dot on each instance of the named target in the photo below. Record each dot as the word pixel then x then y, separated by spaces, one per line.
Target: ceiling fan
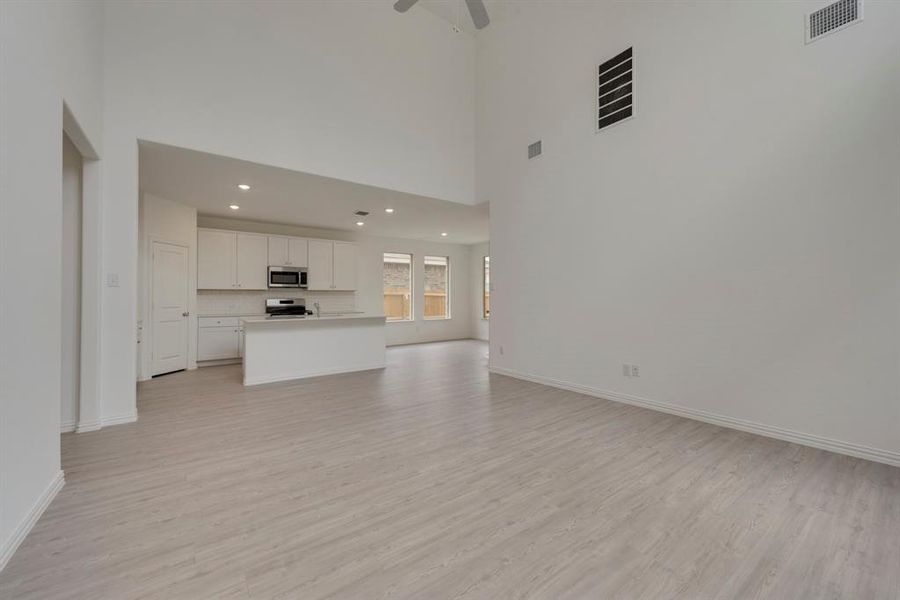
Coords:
pixel 476 9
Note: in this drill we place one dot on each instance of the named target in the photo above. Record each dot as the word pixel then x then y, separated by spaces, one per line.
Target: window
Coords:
pixel 437 287
pixel 486 289
pixel 397 279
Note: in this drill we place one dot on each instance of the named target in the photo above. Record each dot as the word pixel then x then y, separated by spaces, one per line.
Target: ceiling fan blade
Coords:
pixel 478 12
pixel 403 5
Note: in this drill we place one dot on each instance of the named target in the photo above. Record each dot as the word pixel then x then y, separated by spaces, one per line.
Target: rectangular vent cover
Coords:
pixel 834 17
pixel 534 149
pixel 362 213
pixel 614 94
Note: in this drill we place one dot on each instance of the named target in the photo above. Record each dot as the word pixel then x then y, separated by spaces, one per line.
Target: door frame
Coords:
pixel 147 337
pixel 90 388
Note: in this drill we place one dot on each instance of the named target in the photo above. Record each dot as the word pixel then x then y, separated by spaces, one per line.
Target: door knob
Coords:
pixel 184 314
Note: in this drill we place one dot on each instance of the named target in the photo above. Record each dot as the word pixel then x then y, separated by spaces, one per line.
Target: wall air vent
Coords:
pixel 834 17
pixel 534 149
pixel 614 93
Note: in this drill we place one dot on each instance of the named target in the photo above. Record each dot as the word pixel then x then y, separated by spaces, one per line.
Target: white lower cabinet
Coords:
pixel 220 338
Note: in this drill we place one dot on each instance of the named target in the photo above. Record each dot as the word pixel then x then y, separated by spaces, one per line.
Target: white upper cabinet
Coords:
pixel 320 274
pixel 279 252
pixel 332 265
pixel 232 260
pixel 216 260
pixel 287 252
pixel 344 266
pixel 227 260
pixel 252 262
pixel 298 252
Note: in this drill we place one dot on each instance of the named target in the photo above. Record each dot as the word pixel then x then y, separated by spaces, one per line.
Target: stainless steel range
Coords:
pixel 286 308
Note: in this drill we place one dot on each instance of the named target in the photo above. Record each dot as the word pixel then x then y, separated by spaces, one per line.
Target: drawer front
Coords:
pixel 219 321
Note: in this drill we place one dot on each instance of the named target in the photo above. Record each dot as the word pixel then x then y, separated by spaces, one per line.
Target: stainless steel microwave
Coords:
pixel 287 277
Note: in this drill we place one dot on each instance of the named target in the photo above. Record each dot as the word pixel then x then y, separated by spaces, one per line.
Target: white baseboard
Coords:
pixel 84 426
pixel 293 376
pixel 426 341
pixel 96 424
pixel 24 527
pixel 68 427
pixel 118 420
pixel 219 363
pixel 780 433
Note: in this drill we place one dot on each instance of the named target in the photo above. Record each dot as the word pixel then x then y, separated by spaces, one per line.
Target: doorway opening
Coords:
pixel 70 354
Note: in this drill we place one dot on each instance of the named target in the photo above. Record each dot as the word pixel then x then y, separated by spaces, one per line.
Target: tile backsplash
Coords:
pixel 227 302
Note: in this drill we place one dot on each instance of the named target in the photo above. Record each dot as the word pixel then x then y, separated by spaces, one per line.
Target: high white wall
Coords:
pixel 480 325
pixel 345 89
pixel 369 296
pixel 163 220
pixel 738 239
pixel 51 52
pixel 70 346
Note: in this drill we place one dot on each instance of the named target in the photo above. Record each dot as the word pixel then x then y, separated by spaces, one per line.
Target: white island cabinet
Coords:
pixel 294 348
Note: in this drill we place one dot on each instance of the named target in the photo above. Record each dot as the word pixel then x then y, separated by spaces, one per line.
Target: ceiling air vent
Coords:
pixel 614 97
pixel 361 213
pixel 834 17
pixel 534 149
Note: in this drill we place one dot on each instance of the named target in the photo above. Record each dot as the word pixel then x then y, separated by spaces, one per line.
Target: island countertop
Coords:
pixel 309 319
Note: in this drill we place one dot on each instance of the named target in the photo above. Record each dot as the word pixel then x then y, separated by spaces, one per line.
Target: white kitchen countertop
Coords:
pixel 239 315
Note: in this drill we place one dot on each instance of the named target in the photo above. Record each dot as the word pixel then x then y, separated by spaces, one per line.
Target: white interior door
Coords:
pixel 169 313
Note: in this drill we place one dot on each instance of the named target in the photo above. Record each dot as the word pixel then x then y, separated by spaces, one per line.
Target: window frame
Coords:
pixel 412 279
pixel 447 313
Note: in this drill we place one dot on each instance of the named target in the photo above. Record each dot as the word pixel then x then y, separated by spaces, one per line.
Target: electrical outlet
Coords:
pixel 626 370
pixel 635 371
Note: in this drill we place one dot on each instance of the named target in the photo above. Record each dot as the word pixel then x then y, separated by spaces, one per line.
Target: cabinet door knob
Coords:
pixel 185 314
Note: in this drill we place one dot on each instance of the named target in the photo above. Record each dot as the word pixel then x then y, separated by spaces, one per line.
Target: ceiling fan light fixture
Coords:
pixel 476 9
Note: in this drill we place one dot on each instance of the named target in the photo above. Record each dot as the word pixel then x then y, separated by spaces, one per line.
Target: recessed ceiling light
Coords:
pixel 360 223
pixel 389 210
pixel 244 186
pixel 233 206
pixel 444 233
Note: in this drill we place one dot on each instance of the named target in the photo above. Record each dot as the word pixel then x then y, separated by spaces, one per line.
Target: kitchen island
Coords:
pixel 280 349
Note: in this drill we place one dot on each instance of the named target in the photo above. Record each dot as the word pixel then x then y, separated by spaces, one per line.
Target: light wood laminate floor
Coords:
pixel 432 479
